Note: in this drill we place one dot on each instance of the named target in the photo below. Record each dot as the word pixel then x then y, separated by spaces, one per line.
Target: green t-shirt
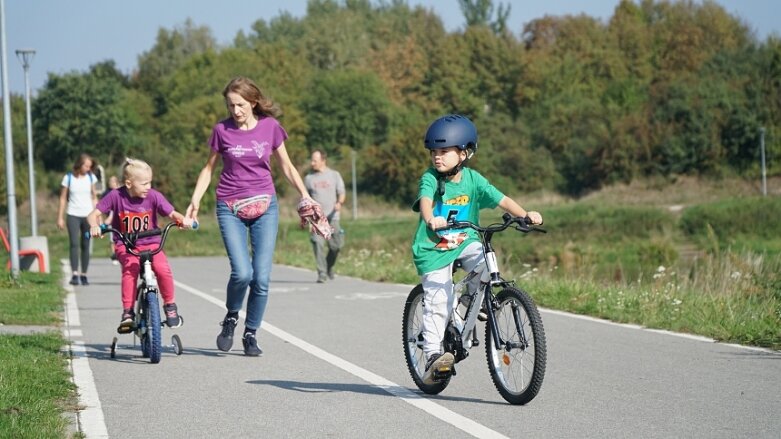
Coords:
pixel 461 201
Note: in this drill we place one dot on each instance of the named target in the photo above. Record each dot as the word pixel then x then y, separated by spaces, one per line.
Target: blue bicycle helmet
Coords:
pixel 452 130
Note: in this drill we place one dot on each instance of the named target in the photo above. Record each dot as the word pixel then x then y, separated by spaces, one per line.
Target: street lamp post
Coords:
pixel 762 150
pixel 26 56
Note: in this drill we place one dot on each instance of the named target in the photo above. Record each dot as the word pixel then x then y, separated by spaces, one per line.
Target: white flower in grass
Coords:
pixel 660 269
pixel 735 275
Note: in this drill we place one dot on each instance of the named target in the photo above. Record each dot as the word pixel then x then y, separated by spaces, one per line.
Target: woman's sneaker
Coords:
pixel 128 318
pixel 225 339
pixel 251 348
pixel 438 368
pixel 75 280
pixel 172 317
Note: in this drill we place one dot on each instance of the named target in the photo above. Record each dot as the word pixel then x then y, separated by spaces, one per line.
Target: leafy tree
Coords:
pixel 479 12
pixel 346 107
pixel 84 112
pixel 172 49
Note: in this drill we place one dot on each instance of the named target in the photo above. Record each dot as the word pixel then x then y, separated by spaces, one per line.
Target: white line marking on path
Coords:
pixel 91 421
pixel 463 423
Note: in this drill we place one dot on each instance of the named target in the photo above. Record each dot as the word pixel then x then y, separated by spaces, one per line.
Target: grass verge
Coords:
pixel 35 385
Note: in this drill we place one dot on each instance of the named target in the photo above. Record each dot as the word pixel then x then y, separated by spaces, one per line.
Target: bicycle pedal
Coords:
pixel 443 373
pixel 125 329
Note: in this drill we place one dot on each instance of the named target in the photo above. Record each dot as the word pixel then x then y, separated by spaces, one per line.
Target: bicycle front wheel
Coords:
pixel 153 327
pixel 412 335
pixel 517 364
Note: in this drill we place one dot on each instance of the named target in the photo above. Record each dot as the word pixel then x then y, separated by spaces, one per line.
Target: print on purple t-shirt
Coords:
pixel 134 214
pixel 246 167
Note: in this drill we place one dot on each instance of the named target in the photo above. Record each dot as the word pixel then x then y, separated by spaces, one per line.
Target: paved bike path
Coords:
pixel 333 367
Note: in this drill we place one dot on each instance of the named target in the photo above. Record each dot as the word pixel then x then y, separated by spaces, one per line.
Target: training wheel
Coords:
pixel 114 348
pixel 176 343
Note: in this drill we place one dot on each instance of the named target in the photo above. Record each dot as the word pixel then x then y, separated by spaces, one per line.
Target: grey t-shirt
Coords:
pixel 325 187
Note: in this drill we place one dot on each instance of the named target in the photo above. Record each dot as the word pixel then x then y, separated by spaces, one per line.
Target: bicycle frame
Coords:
pixel 147 321
pixel 490 277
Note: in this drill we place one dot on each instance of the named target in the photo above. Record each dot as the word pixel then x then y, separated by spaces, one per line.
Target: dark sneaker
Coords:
pixel 126 325
pixel 172 318
pixel 84 280
pixel 331 274
pixel 225 339
pixel 438 368
pixel 251 348
pixel 74 280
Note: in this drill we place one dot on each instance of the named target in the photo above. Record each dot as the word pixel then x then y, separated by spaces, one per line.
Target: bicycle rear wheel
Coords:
pixel 518 365
pixel 153 327
pixel 412 335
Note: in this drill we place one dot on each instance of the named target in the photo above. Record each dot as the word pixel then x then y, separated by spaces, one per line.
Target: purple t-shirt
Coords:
pixel 246 169
pixel 134 214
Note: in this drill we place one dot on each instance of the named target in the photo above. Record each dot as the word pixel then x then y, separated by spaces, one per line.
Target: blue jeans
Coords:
pixel 249 271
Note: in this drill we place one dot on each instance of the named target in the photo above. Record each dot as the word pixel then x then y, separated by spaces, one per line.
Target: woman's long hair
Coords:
pixel 248 90
pixel 80 161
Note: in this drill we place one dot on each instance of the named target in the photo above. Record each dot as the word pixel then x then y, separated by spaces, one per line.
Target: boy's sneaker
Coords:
pixel 74 280
pixel 251 348
pixel 225 339
pixel 126 325
pixel 438 368
pixel 172 318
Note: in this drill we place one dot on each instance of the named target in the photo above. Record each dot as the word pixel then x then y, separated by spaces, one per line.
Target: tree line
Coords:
pixel 568 103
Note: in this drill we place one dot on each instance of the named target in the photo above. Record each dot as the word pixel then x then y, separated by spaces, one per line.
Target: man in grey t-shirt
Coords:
pixel 326 186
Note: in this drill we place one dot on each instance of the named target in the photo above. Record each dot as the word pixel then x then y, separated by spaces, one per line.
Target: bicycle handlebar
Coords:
pixel 521 224
pixel 130 238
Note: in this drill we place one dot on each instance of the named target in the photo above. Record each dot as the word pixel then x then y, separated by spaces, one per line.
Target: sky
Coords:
pixel 71 35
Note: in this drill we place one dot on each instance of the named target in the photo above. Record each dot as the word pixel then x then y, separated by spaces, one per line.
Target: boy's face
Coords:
pixel 139 184
pixel 445 159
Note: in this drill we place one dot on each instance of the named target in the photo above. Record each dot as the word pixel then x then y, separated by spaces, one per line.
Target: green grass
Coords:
pixel 34 386
pixel 35 299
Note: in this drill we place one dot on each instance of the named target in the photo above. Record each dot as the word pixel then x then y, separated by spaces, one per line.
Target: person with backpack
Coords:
pixel 78 198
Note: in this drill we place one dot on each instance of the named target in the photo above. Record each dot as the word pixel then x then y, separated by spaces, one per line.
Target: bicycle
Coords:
pixel 145 324
pixel 514 335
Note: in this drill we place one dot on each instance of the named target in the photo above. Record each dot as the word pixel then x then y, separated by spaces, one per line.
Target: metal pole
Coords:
pixel 9 152
pixel 764 170
pixel 26 56
pixel 355 190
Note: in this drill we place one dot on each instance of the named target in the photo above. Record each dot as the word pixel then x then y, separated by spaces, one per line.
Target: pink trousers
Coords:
pixel 131 267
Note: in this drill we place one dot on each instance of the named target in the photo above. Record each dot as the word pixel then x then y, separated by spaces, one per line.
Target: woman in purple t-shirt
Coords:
pixel 246 201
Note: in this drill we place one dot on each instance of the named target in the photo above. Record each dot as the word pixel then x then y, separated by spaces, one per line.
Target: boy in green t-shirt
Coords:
pixel 448 190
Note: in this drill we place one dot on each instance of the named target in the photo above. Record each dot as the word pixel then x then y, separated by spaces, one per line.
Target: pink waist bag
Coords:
pixel 250 208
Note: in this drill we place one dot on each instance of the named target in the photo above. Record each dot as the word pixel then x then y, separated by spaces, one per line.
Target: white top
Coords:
pixel 79 194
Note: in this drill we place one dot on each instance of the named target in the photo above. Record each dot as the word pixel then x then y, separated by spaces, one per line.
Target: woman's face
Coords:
pixel 239 108
pixel 86 167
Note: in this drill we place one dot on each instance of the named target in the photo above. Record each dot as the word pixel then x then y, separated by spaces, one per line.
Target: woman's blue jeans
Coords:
pixel 250 263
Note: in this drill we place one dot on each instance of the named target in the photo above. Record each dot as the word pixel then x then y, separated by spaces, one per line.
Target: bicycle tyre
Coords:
pixel 153 327
pixel 412 338
pixel 517 372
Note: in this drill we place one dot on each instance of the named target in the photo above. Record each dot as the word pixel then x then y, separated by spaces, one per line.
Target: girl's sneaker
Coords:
pixel 172 317
pixel 126 325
